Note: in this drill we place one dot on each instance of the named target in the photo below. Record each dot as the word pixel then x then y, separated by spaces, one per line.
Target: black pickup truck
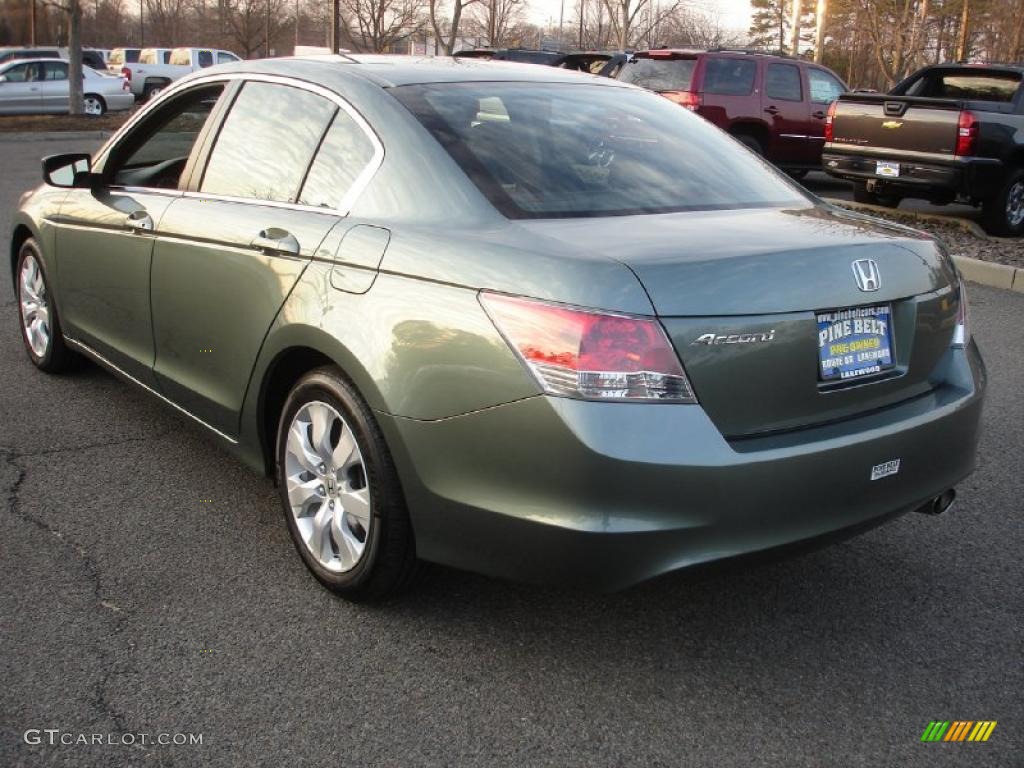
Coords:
pixel 950 132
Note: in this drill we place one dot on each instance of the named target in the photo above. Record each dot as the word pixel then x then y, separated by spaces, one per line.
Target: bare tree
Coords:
pixel 632 20
pixel 500 22
pixel 73 10
pixel 167 22
pixel 458 6
pixel 254 24
pixel 377 25
pixel 896 27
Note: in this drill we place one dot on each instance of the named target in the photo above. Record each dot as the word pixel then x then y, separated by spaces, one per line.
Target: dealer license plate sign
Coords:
pixel 854 342
pixel 886 168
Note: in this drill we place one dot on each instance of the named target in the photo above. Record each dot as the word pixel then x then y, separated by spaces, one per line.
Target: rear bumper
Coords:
pixel 605 495
pixel 976 178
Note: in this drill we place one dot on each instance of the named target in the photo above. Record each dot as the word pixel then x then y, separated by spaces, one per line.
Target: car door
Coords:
pixel 822 89
pixel 53 87
pixel 19 91
pixel 105 235
pixel 786 110
pixel 231 250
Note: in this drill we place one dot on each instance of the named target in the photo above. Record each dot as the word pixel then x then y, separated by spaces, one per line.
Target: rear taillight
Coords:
pixel 967 134
pixel 687 99
pixel 962 332
pixel 591 355
pixel 126 73
pixel 829 120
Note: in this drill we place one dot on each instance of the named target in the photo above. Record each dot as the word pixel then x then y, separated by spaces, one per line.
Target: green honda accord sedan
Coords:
pixel 509 318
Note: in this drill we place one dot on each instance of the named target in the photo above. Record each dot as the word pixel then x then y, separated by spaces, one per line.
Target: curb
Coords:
pixel 16 136
pixel 977 271
pixel 988 273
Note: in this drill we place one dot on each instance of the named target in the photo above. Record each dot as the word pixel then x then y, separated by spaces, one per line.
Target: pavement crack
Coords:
pixel 115 613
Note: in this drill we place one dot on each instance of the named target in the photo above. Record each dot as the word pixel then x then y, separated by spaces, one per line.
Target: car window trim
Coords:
pixel 234 82
pixel 362 180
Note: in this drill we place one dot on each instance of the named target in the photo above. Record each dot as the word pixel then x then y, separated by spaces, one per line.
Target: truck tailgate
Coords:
pixel 900 123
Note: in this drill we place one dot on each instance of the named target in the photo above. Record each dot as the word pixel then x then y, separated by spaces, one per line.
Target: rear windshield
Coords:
pixel 545 150
pixel 659 74
pixel 967 86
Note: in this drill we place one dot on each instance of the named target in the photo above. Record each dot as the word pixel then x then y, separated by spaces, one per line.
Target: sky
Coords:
pixel 735 14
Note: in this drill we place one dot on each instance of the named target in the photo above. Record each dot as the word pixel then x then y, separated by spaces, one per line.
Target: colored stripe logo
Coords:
pixel 958 730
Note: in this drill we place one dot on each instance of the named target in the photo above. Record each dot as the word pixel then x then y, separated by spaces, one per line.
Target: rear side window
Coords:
pixel 782 81
pixel 729 77
pixel 267 142
pixel 181 57
pixel 659 74
pixel 56 70
pixel 205 59
pixel 344 154
pixel 22 73
pixel 148 57
pixel 824 88
pixel 132 56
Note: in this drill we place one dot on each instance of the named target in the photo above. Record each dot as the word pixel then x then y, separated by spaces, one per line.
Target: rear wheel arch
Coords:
pixel 288 365
pixel 754 131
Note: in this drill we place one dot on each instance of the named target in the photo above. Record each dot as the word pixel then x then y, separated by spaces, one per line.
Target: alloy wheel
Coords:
pixel 35 311
pixel 327 485
pixel 1015 205
pixel 93 106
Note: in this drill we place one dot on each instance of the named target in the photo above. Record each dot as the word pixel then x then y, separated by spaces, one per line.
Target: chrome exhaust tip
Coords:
pixel 939 504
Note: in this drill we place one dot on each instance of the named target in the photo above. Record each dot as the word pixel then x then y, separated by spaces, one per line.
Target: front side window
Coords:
pixel 344 154
pixel 266 143
pixel 543 150
pixel 22 73
pixel 155 154
pixel 225 58
pixel 782 81
pixel 131 56
pixel 659 74
pixel 729 77
pixel 181 57
pixel 824 88
pixel 148 56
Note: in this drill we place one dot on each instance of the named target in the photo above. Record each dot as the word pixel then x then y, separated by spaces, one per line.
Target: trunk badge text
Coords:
pixel 734 338
pixel 865 271
pixel 885 469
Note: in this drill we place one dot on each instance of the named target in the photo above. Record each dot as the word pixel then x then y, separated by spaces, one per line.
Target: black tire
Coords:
pixel 998 212
pixel 101 104
pixel 861 195
pixel 750 142
pixel 152 90
pixel 57 357
pixel 388 562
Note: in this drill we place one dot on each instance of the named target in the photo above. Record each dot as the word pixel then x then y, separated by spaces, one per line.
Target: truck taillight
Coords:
pixel 590 355
pixel 688 99
pixel 126 73
pixel 829 119
pixel 967 134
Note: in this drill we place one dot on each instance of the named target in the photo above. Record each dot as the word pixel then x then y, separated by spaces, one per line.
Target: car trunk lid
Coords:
pixel 758 296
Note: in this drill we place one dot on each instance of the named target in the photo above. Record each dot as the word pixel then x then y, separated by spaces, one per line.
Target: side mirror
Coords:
pixel 67 171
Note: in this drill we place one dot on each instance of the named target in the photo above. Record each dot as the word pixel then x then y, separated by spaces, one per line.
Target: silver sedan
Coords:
pixel 35 86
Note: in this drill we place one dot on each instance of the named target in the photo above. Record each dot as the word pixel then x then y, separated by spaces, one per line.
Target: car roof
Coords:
pixel 389 71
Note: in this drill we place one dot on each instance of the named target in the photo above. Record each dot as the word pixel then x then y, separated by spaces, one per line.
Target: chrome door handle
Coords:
pixel 139 221
pixel 274 240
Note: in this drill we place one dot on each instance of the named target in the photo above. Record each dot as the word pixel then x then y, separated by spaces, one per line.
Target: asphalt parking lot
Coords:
pixel 149 587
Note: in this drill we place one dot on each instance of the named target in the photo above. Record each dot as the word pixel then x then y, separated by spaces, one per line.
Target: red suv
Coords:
pixel 776 105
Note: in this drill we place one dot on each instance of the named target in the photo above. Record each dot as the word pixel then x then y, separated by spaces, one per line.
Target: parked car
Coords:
pixel 775 105
pixel 41 85
pixel 159 67
pixel 948 133
pixel 589 343
pixel 90 57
